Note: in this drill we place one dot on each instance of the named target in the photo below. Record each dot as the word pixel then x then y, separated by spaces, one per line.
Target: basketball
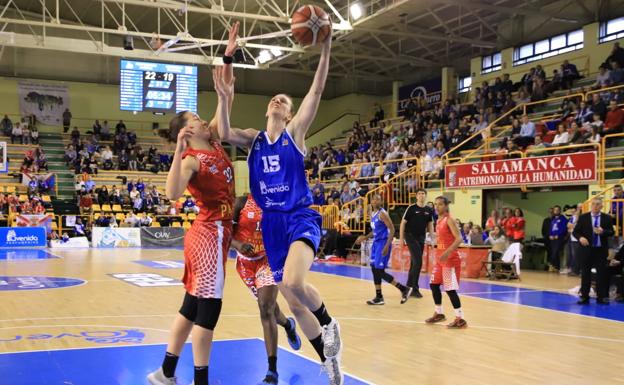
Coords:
pixel 310 25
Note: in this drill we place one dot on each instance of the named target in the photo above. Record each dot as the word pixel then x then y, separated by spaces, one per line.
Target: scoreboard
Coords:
pixel 157 87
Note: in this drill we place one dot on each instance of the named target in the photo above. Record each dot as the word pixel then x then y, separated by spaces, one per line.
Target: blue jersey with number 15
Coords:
pixel 277 175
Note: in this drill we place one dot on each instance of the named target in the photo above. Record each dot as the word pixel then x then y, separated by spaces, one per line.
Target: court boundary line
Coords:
pixel 164 344
pixel 490 299
pixel 346 318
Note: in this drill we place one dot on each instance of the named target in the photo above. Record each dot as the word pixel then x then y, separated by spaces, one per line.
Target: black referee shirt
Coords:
pixel 417 220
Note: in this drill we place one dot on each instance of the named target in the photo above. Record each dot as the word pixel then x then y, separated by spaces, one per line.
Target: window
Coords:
pixel 611 30
pixel 553 46
pixel 491 63
pixel 465 84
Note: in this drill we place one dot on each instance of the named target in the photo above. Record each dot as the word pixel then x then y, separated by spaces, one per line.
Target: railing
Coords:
pixel 604 158
pixel 489 129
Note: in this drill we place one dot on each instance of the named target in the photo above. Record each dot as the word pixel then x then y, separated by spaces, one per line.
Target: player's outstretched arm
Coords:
pixel 299 125
pixel 235 136
pixel 181 170
pixel 228 73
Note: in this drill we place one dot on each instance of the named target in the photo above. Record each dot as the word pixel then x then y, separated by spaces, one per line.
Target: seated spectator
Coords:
pixel 562 138
pixel 598 106
pixel 555 82
pixel 105 131
pixel 103 196
pixel 498 241
pixel 584 114
pixel 616 76
pixel 86 204
pixel 603 79
pixel 79 229
pixel 132 220
pixel 138 204
pixel 318 198
pixel 537 149
pixel 569 73
pixel 34 135
pixel 102 221
pixel 121 126
pixel 25 134
pixel 122 160
pixel 594 136
pixel 576 136
pixel 16 134
pixel 6 125
pixel 617 54
pixel 134 193
pixel 614 122
pixel 527 133
pixel 89 184
pixel 189 206
pixel 75 136
pixel 145 220
pixel 115 196
pixel 476 236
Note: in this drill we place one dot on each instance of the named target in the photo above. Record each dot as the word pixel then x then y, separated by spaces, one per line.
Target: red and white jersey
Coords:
pixel 213 185
pixel 248 229
pixel 445 236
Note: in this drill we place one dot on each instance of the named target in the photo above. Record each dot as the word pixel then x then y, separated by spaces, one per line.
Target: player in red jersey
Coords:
pixel 447 268
pixel 201 165
pixel 253 268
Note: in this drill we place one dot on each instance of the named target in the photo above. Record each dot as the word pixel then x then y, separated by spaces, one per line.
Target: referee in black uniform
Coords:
pixel 416 222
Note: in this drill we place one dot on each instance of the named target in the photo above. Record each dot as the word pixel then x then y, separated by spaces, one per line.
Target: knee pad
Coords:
pixel 208 311
pixel 189 307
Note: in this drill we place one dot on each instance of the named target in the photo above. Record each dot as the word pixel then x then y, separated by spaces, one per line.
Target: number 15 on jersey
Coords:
pixel 271 163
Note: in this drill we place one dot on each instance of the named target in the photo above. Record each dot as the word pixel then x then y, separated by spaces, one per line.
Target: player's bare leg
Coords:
pixel 178 336
pixel 293 286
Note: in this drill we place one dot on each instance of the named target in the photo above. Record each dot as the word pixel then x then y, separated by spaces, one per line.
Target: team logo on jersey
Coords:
pixel 213 169
pixel 257 146
pixel 251 215
pixel 285 142
pixel 272 189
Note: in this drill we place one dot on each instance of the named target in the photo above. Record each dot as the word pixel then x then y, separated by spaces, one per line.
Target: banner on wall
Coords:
pixel 47 101
pixel 116 237
pixel 431 90
pixel 162 236
pixel 22 237
pixel 49 180
pixel 540 170
pixel 35 220
pixel 4 166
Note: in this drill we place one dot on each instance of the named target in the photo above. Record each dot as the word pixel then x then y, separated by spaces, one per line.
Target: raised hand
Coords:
pixel 232 43
pixel 182 141
pixel 222 89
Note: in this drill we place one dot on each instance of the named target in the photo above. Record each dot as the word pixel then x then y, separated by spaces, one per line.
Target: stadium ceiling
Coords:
pixel 393 39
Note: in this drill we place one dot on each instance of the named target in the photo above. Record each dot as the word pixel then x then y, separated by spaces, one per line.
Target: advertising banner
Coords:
pixel 540 170
pixel 116 237
pixel 162 236
pixel 472 259
pixel 22 237
pixel 431 90
pixel 47 101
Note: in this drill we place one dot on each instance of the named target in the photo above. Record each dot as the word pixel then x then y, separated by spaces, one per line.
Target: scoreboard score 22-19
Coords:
pixel 157 87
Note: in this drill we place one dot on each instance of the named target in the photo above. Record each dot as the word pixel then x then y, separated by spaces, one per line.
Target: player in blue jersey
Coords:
pixel 291 230
pixel 382 232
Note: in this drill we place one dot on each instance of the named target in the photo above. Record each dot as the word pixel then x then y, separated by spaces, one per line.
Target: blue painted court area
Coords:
pixel 236 362
pixel 25 254
pixel 515 295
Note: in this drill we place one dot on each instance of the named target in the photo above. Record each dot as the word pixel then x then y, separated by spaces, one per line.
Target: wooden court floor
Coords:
pixel 505 343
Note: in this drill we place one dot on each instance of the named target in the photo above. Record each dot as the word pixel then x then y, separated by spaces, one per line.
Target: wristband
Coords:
pixel 228 59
